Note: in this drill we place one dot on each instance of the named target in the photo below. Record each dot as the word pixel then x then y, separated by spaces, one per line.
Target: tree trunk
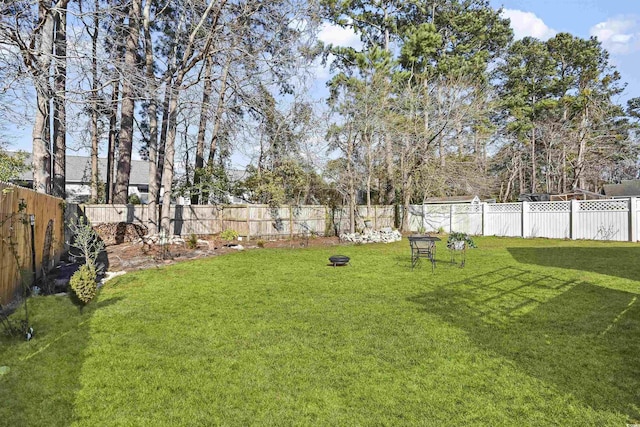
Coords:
pixel 352 197
pixel 169 155
pixel 128 107
pixel 533 160
pixel 59 111
pixel 41 129
pixel 217 124
pixel 95 173
pixel 390 187
pixel 113 137
pixel 163 134
pixel 578 178
pixel 152 112
pixel 406 190
pixel 202 127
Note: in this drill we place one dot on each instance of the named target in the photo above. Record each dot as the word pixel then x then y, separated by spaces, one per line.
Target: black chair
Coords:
pixel 423 247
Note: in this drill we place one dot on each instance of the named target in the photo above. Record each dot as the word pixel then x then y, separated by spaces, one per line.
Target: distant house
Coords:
pixel 78 178
pixel 628 188
pixel 472 200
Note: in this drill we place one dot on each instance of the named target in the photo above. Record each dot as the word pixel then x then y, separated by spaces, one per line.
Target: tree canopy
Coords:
pixel 437 99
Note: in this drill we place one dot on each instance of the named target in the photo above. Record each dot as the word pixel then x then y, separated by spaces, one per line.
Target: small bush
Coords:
pixel 192 241
pixel 134 199
pixel 260 243
pixel 229 234
pixel 83 285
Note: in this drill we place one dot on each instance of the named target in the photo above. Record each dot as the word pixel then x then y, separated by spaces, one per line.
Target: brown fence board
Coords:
pixel 15 236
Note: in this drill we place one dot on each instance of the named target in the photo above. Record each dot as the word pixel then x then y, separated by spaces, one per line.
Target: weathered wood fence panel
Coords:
pixel 133 214
pixel 254 221
pixel 15 236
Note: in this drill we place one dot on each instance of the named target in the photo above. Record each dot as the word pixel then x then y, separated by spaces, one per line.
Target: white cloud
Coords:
pixel 338 36
pixel 619 35
pixel 527 24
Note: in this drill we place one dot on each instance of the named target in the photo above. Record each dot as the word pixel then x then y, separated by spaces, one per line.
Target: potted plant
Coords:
pixel 458 241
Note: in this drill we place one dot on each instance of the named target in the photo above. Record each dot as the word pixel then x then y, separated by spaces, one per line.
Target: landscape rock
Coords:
pixel 110 275
pixel 384 235
pixel 156 239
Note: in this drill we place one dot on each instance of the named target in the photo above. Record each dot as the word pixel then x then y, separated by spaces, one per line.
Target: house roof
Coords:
pixel 453 199
pixel 79 170
pixel 628 188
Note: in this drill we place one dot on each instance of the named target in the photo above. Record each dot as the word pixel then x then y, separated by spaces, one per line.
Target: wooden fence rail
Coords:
pixel 17 207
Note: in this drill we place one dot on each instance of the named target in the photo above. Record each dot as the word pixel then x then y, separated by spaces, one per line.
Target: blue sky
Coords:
pixel 616 23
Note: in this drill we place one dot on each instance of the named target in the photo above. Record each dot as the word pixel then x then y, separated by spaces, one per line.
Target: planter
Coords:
pixel 457 245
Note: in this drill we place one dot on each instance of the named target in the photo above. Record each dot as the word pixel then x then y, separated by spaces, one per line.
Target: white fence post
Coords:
pixel 574 219
pixel 451 218
pixel 633 219
pixel 525 220
pixel 485 214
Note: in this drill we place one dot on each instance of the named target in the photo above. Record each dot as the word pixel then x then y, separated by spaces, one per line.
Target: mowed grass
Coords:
pixel 530 332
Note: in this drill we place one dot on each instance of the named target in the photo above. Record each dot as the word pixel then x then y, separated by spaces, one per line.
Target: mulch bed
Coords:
pixel 137 256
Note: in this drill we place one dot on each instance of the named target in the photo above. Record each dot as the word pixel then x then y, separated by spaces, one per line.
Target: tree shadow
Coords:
pixel 613 261
pixel 580 337
pixel 45 373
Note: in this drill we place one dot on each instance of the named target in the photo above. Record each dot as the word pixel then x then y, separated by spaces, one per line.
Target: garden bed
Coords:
pixel 137 256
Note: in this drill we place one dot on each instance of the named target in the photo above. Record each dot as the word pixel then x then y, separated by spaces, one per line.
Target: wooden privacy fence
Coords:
pixel 17 207
pixel 252 221
pixel 617 219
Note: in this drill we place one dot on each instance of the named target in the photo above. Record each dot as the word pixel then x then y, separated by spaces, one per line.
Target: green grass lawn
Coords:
pixel 530 332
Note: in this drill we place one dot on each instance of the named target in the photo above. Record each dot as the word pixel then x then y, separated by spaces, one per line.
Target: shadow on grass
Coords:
pixel 45 373
pixel 578 337
pixel 615 261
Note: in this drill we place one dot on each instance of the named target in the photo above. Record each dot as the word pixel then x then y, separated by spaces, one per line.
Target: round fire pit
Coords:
pixel 339 260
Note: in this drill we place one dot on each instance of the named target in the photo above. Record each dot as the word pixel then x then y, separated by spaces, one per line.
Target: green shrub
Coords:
pixel 134 199
pixel 260 243
pixel 83 284
pixel 192 241
pixel 229 234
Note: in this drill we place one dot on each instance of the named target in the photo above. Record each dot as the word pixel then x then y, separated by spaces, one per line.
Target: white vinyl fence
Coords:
pixel 617 220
